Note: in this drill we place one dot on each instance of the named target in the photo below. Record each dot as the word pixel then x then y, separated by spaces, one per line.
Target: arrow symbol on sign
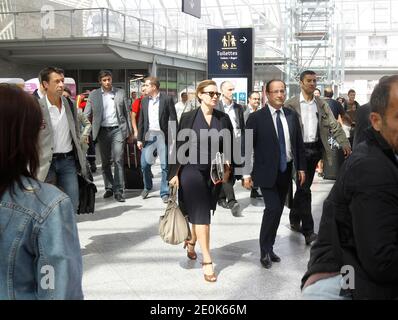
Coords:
pixel 244 40
pixel 192 4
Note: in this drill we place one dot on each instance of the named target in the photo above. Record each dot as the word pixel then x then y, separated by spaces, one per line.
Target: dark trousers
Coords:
pixel 274 199
pixel 227 191
pixel 111 144
pixel 91 150
pixel 301 209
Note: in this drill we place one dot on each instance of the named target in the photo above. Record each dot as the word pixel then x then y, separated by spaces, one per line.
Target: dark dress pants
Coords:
pixel 301 209
pixel 227 191
pixel 91 150
pixel 111 144
pixel 274 200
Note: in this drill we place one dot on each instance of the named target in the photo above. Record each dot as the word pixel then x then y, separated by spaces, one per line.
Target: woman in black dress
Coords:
pixel 197 193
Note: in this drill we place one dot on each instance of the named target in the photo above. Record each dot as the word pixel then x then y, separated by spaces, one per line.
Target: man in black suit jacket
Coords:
pixel 277 144
pixel 157 109
pixel 236 114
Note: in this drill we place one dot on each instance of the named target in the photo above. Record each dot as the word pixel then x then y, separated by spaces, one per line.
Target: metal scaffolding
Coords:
pixel 312 42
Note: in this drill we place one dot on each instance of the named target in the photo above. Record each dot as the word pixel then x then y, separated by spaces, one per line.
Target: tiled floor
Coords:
pixel 124 257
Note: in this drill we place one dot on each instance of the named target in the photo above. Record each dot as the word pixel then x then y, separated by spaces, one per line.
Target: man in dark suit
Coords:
pixel 277 144
pixel 109 109
pixel 157 109
pixel 236 114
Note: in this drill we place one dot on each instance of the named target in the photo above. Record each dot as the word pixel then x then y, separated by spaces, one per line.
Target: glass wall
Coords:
pixel 178 81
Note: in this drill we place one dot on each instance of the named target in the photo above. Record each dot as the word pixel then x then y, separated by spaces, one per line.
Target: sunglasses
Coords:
pixel 212 93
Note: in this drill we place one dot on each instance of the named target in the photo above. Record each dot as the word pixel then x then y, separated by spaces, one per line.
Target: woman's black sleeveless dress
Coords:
pixel 195 182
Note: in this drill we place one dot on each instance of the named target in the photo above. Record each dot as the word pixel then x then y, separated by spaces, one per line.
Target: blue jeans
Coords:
pixel 325 289
pixel 63 174
pixel 148 159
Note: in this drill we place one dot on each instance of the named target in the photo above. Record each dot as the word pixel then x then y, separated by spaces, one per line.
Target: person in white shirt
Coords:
pixel 157 115
pixel 318 124
pixel 235 113
pixel 110 113
pixel 253 105
pixel 181 105
pixel 61 156
pixel 277 146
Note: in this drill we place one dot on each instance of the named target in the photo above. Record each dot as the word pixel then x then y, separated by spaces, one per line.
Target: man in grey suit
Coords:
pixel 111 127
pixel 317 123
pixel 61 156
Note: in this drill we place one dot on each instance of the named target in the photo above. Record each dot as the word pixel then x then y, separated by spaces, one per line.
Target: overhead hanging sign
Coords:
pixel 230 51
pixel 192 7
pixel 230 55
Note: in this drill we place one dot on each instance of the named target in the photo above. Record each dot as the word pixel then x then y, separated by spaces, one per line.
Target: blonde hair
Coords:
pixel 202 85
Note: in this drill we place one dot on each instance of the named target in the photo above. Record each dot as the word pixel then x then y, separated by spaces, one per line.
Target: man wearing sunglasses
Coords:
pixel 235 112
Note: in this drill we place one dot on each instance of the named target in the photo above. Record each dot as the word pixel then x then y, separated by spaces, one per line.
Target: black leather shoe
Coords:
pixel 254 194
pixel 93 167
pixel 223 203
pixel 295 227
pixel 274 257
pixel 108 194
pixel 266 261
pixel 119 197
pixel 310 238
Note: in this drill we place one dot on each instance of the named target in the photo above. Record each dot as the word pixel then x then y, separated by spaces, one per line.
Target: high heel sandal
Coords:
pixel 190 254
pixel 209 277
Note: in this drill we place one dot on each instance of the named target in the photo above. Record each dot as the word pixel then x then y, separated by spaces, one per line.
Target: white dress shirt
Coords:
pixel 60 126
pixel 153 113
pixel 180 107
pixel 309 118
pixel 109 117
pixel 230 111
pixel 251 109
pixel 289 154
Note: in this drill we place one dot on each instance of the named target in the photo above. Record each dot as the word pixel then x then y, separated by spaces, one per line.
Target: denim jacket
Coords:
pixel 40 255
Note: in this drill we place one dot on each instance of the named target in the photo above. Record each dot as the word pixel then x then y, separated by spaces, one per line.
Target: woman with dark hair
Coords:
pixel 39 246
pixel 198 194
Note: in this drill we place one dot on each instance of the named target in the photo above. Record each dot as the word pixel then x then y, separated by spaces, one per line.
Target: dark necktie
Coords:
pixel 282 144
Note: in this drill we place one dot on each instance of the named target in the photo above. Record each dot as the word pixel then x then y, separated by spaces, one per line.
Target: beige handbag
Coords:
pixel 173 225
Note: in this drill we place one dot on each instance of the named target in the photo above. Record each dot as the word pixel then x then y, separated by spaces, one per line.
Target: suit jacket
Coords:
pixel 95 108
pixel 167 112
pixel 327 124
pixel 239 114
pixel 266 145
pixel 46 139
pixel 187 120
